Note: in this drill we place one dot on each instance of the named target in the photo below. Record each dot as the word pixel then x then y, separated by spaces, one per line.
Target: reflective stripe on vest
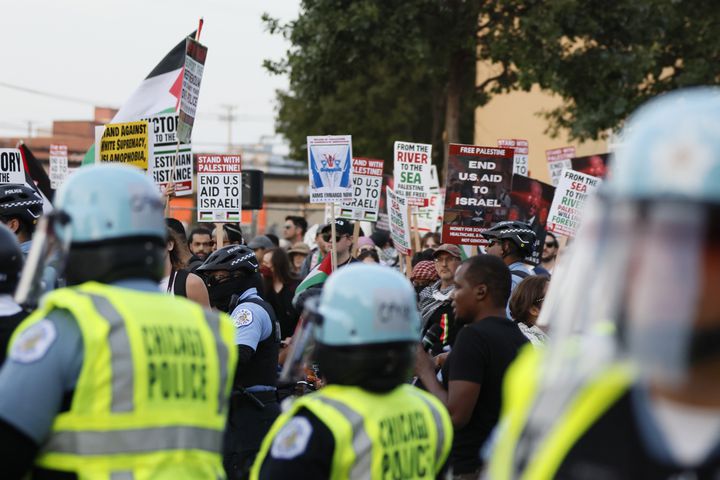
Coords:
pixel 587 405
pixel 213 320
pixel 437 416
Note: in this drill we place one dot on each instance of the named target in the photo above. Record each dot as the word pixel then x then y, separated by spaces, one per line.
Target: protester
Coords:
pixel 435 301
pixel 234 284
pixel 634 357
pixel 177 279
pixel 232 234
pixel 298 253
pixel 471 386
pixel 200 242
pixel 424 273
pixel 83 387
pixel 312 284
pixel 276 241
pixel 20 209
pixel 260 245
pixel 430 240
pixel 386 249
pixel 280 285
pixel 549 255
pixel 321 249
pixel 512 242
pixel 367 422
pixel 294 229
pixel 525 304
pixel 369 256
pixel 11 263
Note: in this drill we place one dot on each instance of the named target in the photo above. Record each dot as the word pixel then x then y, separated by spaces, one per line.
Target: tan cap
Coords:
pixel 453 250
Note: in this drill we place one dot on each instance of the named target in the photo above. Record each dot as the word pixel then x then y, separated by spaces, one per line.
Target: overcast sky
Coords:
pixel 100 51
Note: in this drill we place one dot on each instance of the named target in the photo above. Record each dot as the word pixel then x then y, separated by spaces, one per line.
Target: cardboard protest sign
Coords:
pixel 530 203
pixel 399 222
pixel 429 215
pixel 572 191
pixel 58 165
pixel 12 169
pixel 559 159
pixel 330 168
pixel 219 188
pixel 367 180
pixel 477 192
pixel 163 129
pixel 125 143
pixel 412 163
pixel 595 165
pixel 195 55
pixel 521 149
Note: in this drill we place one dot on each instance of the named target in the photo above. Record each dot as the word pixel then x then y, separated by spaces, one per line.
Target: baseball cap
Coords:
pixel 342 227
pixel 453 250
pixel 261 241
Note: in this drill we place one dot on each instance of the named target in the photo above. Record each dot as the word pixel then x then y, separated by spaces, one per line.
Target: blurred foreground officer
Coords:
pixel 367 423
pixel 110 379
pixel 633 390
pixel 11 263
pixel 234 282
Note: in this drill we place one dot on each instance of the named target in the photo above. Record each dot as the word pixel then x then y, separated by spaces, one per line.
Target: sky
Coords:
pixel 99 51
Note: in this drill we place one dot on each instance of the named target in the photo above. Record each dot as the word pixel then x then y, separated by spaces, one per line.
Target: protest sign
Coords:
pixel 195 55
pixel 530 203
pixel 163 162
pixel 429 215
pixel 572 191
pixel 520 160
pixel 367 180
pixel 219 188
pixel 399 222
pixel 12 169
pixel 383 222
pixel 58 165
pixel 125 143
pixel 595 165
pixel 559 159
pixel 477 193
pixel 330 168
pixel 412 163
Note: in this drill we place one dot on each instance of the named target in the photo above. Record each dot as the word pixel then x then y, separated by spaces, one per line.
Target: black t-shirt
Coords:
pixel 613 448
pixel 482 352
pixel 281 302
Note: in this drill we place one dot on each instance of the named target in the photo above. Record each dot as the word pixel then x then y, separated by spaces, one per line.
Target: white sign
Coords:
pixel 195 55
pixel 412 162
pixel 399 224
pixel 330 168
pixel 162 164
pixel 429 216
pixel 570 195
pixel 521 151
pixel 367 181
pixel 58 165
pixel 12 168
pixel 219 188
pixel 558 160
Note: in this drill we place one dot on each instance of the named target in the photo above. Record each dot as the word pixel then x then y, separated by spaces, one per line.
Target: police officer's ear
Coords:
pixel 14 225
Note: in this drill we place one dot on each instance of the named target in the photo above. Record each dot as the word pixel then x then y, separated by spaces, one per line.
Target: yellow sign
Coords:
pixel 125 143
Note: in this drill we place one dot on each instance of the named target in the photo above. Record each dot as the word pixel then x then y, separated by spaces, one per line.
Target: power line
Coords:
pixel 55 96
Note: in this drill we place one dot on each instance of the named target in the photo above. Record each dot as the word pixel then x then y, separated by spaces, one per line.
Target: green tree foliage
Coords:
pixel 606 58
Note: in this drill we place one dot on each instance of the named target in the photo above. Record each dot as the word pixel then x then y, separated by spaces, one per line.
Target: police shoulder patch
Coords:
pixel 33 343
pixel 292 439
pixel 242 317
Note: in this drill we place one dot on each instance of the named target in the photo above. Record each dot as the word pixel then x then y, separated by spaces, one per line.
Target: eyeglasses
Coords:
pixel 494 242
pixel 446 259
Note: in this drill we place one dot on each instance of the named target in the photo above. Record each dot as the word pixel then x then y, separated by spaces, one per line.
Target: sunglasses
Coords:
pixel 551 244
pixel 328 236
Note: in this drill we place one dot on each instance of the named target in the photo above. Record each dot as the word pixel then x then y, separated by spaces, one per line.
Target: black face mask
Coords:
pixel 221 294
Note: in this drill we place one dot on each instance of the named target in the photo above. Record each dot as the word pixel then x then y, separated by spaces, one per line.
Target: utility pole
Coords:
pixel 229 118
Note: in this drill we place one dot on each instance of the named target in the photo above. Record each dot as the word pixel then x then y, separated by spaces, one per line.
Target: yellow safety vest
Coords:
pixel 152 395
pixel 405 433
pixel 519 393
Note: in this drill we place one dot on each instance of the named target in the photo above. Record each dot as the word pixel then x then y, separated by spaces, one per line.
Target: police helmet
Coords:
pixel 233 258
pixel 114 224
pixel 519 233
pixel 243 268
pixel 368 329
pixel 21 202
pixel 11 260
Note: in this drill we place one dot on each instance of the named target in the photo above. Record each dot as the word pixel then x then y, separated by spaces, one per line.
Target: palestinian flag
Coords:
pixel 316 277
pixel 36 177
pixel 158 93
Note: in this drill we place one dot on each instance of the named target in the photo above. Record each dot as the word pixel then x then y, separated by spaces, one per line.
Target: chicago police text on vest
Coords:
pixel 406 451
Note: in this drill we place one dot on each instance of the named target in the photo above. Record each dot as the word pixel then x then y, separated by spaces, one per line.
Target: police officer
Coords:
pixel 109 378
pixel 512 241
pixel 628 387
pixel 368 422
pixel 11 262
pixel 234 282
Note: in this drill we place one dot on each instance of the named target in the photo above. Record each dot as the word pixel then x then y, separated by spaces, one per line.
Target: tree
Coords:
pixel 604 58
pixel 382 70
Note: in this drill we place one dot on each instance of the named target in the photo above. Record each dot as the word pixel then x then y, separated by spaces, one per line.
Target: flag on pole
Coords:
pixel 36 177
pixel 316 277
pixel 158 93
